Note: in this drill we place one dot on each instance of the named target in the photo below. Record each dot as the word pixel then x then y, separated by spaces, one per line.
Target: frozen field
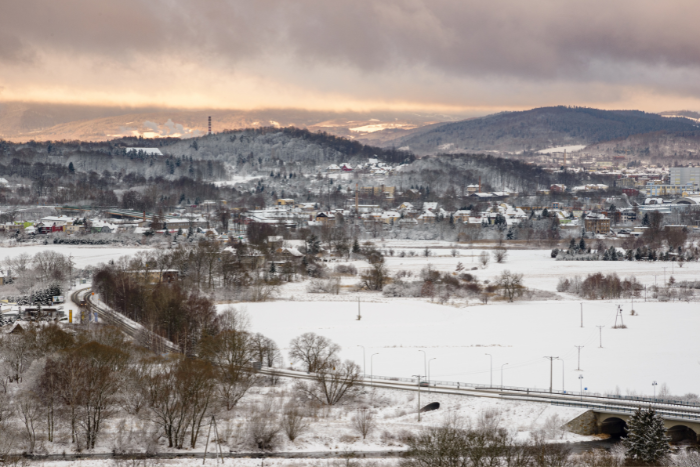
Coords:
pixel 660 344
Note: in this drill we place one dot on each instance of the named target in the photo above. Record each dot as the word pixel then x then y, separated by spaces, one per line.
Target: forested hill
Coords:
pixel 541 128
pixel 264 146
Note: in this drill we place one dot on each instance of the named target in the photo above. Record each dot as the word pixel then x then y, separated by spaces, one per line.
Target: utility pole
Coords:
pixel 491 380
pixel 551 371
pixel 581 314
pixel 579 347
pixel 429 372
pixel 664 277
pixel 562 375
pixel 600 328
pixel 371 369
pixel 364 362
pixel 359 313
pixel 418 376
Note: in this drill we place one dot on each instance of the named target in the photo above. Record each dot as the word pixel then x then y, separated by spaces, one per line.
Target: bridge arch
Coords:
pixel 616 427
pixel 680 433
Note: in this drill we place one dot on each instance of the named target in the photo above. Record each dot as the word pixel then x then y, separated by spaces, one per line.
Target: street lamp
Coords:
pixel 418 376
pixel 502 375
pixel 491 357
pixel 371 369
pixel 580 378
pixel 429 371
pixel 654 386
pixel 364 362
pixel 425 365
pixel 562 375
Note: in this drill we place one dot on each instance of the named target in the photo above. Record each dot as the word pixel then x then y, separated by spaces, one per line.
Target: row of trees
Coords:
pixel 77 382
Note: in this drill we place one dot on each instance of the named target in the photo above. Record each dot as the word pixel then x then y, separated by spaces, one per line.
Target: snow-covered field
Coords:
pixel 83 256
pixel 659 344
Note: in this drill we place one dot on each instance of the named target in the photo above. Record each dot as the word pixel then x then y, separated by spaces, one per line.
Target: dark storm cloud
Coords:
pixel 533 38
pixel 620 42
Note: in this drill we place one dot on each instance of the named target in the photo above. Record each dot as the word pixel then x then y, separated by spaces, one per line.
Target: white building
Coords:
pixel 685 175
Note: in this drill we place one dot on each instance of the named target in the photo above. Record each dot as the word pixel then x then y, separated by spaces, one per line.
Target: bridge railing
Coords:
pixel 458 384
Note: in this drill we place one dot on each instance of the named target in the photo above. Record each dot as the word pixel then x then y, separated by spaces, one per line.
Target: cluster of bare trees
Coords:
pixel 32 272
pixel 72 383
pixel 78 381
pixel 457 444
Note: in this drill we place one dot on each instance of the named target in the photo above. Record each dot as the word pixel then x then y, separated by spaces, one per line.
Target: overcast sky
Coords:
pixel 353 54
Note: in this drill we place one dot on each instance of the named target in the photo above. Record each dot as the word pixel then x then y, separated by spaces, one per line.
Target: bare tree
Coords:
pixel 230 353
pixel 375 277
pixel 294 421
pixel 30 412
pixel 363 422
pixel 264 426
pixel 332 382
pixel 265 350
pixel 510 284
pixel 179 393
pixel 312 350
pixel 18 350
pixel 484 259
pixel 99 381
pixel 500 254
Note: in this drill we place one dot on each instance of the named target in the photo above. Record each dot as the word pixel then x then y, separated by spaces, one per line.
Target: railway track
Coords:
pixel 130 328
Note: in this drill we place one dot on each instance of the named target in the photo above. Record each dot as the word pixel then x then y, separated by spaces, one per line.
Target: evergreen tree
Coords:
pixel 646 440
pixel 582 244
pixel 71 168
pixel 355 246
pixel 273 270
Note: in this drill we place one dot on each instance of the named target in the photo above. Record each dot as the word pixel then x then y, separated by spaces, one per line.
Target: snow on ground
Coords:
pixel 539 270
pixel 236 179
pixel 659 344
pixel 572 148
pixel 83 255
pixel 243 462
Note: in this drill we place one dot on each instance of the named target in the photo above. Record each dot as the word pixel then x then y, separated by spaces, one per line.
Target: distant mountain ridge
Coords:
pixel 540 128
pixel 22 121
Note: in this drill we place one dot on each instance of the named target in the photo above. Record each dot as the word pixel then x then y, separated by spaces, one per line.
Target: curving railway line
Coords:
pixel 124 324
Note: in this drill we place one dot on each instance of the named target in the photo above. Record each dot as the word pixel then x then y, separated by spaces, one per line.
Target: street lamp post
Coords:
pixel 425 365
pixel 364 362
pixel 429 372
pixel 502 375
pixel 562 376
pixel 418 376
pixel 491 357
pixel 654 386
pixel 371 369
pixel 580 378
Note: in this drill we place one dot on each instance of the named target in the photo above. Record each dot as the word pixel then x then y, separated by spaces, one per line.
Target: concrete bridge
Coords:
pixel 681 426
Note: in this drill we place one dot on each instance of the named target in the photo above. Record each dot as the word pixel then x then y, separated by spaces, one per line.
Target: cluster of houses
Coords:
pixel 372 167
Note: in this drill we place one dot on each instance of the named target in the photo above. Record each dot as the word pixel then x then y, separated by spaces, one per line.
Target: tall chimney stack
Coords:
pixel 209 125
